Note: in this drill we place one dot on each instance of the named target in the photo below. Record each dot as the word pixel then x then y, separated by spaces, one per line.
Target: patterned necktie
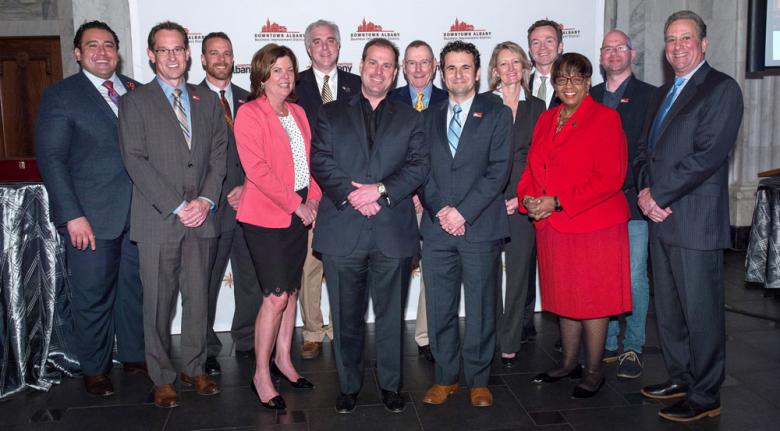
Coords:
pixel 112 92
pixel 327 95
pixel 542 93
pixel 225 109
pixel 453 132
pixel 419 105
pixel 678 82
pixel 178 109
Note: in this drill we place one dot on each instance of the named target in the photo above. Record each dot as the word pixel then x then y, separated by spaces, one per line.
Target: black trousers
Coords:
pixel 511 308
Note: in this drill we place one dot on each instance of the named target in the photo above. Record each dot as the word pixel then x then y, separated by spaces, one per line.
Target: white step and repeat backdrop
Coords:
pixel 251 24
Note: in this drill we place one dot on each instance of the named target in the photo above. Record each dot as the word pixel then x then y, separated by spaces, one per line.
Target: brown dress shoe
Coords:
pixel 135 367
pixel 311 349
pixel 438 394
pixel 99 385
pixel 204 385
pixel 165 396
pixel 481 397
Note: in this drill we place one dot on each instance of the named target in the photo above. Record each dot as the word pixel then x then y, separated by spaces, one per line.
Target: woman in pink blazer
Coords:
pixel 279 201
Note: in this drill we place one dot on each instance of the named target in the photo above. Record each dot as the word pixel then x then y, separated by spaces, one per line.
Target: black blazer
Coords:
pixel 340 155
pixel 473 181
pixel 309 95
pixel 633 110
pixel 234 175
pixel 401 94
pixel 77 149
pixel 688 168
pixel 555 101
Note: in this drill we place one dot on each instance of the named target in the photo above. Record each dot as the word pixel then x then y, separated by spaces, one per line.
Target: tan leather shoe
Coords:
pixel 438 394
pixel 99 385
pixel 165 396
pixel 311 349
pixel 204 385
pixel 481 397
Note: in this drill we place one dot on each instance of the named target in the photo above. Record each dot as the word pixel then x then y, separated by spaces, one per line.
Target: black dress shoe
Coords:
pixel 684 411
pixel 425 352
pixel 345 403
pixel 212 367
pixel 575 373
pixel 509 362
pixel 665 391
pixel 99 385
pixel 580 392
pixel 393 401
pixel 245 354
pixel 275 403
pixel 301 383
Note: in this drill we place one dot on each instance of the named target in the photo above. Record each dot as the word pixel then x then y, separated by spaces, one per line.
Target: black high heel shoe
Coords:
pixel 575 373
pixel 275 403
pixel 301 383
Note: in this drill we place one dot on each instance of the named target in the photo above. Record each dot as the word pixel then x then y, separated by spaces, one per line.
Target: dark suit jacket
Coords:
pixel 234 176
pixel 555 101
pixel 688 167
pixel 401 94
pixel 164 171
pixel 309 95
pixel 473 181
pixel 399 159
pixel 633 110
pixel 77 149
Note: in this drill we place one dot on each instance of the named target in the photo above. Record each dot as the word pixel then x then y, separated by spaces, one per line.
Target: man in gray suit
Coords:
pixel 217 60
pixel 173 137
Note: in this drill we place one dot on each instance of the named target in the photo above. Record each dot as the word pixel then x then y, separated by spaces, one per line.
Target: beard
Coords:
pixel 221 74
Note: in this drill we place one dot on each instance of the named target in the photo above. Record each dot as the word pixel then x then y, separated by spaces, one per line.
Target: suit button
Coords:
pixel 544 192
pixel 189 165
pixel 652 159
pixel 238 164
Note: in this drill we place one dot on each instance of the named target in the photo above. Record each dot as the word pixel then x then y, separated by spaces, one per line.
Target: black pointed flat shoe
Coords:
pixel 301 383
pixel 575 373
pixel 580 392
pixel 275 403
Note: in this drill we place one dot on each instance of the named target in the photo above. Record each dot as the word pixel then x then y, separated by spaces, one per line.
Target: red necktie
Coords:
pixel 225 109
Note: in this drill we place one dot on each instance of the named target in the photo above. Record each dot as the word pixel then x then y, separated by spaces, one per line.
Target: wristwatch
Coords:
pixel 381 189
pixel 558 207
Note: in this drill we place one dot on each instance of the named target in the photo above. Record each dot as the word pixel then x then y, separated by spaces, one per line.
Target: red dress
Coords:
pixel 584 265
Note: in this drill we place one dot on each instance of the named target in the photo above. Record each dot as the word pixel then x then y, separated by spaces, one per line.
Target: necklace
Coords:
pixel 280 112
pixel 562 119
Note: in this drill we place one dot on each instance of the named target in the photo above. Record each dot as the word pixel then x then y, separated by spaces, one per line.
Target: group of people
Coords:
pixel 320 172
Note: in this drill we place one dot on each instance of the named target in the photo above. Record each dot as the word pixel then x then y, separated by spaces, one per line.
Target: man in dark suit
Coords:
pixel 322 83
pixel 368 156
pixel 420 93
pixel 89 192
pixel 464 224
pixel 545 45
pixel 173 138
pixel 217 60
pixel 682 174
pixel 630 97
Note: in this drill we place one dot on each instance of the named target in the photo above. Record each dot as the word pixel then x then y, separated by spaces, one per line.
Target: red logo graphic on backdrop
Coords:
pixel 192 36
pixel 462 30
pixel 368 30
pixel 275 32
pixel 569 32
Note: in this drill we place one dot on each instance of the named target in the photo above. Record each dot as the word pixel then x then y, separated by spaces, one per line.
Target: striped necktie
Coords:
pixel 327 95
pixel 453 131
pixel 112 92
pixel 178 109
pixel 225 109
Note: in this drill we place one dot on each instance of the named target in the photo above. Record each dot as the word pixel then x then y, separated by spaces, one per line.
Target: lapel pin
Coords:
pixel 477 115
pixel 624 100
pixel 130 86
pixel 195 97
pixel 240 101
pixel 346 89
pixel 574 124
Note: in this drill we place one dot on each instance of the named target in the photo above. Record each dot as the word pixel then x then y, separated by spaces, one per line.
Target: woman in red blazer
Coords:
pixel 279 202
pixel 572 188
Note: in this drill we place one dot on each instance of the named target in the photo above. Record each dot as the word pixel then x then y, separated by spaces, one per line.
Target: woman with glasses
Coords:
pixel 572 188
pixel 509 80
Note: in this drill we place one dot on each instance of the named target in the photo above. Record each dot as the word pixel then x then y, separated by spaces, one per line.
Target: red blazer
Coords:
pixel 268 199
pixel 584 165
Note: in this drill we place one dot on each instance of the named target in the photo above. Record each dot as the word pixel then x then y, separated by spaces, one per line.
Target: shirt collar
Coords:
pixel 465 106
pixel 520 97
pixel 321 75
pixel 98 81
pixel 688 76
pixel 168 89
pixel 228 88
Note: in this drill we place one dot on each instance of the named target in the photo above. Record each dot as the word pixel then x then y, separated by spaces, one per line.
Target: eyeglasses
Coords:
pixel 576 80
pixel 179 50
pixel 422 63
pixel 610 49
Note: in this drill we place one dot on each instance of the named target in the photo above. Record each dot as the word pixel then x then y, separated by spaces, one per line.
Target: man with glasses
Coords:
pixel 628 95
pixel 173 138
pixel 420 93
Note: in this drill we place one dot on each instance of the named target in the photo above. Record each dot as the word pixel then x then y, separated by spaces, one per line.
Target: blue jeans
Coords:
pixel 640 293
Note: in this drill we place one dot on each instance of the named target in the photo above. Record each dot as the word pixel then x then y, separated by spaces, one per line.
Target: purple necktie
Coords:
pixel 111 92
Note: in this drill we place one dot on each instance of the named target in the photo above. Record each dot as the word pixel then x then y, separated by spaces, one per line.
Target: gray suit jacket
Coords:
pixel 164 171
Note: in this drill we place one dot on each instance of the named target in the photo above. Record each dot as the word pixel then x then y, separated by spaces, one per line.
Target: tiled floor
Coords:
pixel 750 395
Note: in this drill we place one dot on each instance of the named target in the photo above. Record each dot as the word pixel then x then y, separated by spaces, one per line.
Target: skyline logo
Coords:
pixel 462 30
pixel 368 30
pixel 275 32
pixel 193 37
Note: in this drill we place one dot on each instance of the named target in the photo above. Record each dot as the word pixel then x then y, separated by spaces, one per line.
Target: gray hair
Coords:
pixel 687 14
pixel 321 23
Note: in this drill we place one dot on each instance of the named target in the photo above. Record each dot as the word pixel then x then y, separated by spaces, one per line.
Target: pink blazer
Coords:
pixel 268 199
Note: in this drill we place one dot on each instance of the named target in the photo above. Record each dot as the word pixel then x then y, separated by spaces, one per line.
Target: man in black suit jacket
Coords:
pixel 464 224
pixel 368 156
pixel 89 192
pixel 420 94
pixel 217 60
pixel 323 43
pixel 630 97
pixel 545 45
pixel 682 174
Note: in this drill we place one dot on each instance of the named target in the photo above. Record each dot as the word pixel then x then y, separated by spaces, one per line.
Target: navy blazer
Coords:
pixel 402 94
pixel 473 181
pixel 309 95
pixel 634 114
pixel 77 149
pixel 687 169
pixel 398 159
